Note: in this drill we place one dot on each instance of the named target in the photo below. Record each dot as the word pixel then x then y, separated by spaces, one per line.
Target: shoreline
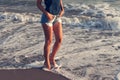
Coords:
pixel 90 48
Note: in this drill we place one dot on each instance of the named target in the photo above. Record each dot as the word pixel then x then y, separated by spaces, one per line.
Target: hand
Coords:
pixel 50 16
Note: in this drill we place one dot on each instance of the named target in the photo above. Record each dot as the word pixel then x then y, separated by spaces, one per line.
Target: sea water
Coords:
pixel 93 14
pixel 114 3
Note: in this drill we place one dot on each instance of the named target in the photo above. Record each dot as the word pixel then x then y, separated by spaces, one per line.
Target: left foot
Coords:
pixel 54 64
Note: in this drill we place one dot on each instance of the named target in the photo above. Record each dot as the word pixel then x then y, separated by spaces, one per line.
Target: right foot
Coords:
pixel 45 68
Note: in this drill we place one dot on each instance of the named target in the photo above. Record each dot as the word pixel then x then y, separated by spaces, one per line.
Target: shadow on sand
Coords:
pixel 29 74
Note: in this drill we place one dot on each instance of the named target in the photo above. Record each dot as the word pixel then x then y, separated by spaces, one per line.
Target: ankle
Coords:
pixel 47 65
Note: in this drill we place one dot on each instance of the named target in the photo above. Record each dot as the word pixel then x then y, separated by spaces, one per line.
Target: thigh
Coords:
pixel 57 28
pixel 47 31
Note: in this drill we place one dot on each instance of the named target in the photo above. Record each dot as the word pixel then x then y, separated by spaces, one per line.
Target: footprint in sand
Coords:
pixel 94 77
pixel 116 57
pixel 117 62
pixel 104 55
pixel 117 76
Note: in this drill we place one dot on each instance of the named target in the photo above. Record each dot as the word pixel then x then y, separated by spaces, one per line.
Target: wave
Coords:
pixel 19 17
pixel 99 16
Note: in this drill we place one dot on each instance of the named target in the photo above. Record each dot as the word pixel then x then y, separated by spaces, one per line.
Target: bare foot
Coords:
pixel 47 65
pixel 52 62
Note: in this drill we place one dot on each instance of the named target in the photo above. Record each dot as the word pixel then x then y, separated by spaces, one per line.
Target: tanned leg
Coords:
pixel 48 39
pixel 57 28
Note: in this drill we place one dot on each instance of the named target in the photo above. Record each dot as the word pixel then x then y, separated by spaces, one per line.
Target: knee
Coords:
pixel 48 41
pixel 59 40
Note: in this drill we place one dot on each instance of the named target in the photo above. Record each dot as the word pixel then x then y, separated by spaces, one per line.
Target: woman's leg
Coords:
pixel 57 28
pixel 48 39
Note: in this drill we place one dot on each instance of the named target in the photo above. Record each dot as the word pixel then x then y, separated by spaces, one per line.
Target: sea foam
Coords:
pixel 99 16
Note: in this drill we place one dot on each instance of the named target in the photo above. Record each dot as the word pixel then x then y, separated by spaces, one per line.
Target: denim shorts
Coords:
pixel 44 20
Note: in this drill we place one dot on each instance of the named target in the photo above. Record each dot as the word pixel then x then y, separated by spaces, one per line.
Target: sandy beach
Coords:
pixel 84 54
pixel 90 49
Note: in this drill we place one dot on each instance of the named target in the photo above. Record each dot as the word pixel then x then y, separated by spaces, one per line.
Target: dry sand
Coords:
pixel 85 54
